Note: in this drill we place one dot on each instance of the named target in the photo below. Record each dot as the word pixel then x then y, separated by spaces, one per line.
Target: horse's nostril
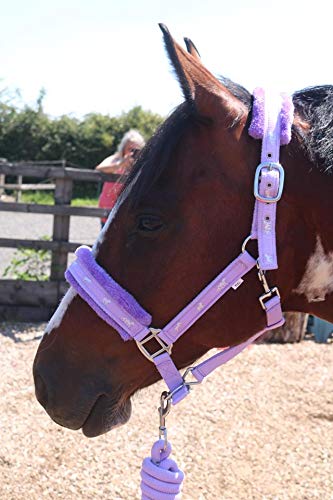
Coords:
pixel 41 390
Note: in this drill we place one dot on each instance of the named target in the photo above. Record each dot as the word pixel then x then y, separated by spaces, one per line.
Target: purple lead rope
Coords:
pixel 161 479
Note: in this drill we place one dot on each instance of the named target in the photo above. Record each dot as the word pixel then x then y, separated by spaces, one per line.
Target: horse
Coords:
pixel 183 215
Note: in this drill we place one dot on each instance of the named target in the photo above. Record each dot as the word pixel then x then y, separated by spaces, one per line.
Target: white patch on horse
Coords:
pixel 70 294
pixel 60 311
pixel 317 281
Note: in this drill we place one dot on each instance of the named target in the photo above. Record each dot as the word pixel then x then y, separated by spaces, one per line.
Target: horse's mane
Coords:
pixel 314 105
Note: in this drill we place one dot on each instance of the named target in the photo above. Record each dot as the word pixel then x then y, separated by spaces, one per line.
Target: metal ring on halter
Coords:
pixel 245 242
pixel 187 371
pixel 167 396
pixel 165 404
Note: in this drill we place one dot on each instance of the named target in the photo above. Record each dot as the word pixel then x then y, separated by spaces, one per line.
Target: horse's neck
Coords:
pixel 313 291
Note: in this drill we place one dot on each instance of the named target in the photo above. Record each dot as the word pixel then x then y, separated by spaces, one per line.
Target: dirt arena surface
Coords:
pixel 259 428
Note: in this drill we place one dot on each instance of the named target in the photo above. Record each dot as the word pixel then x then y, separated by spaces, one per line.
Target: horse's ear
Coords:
pixel 191 48
pixel 200 88
pixel 172 49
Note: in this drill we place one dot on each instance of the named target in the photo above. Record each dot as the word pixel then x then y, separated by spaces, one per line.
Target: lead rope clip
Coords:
pixel 268 291
pixel 161 479
pixel 163 411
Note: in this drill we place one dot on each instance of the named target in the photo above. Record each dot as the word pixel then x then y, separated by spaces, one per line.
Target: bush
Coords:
pixel 29 264
pixel 29 134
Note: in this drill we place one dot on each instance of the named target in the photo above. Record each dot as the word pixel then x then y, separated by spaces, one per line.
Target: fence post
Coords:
pixel 2 182
pixel 19 191
pixel 292 331
pixel 2 177
pixel 62 196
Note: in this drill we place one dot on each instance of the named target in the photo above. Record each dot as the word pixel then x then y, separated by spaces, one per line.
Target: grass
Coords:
pixel 43 198
pixel 39 197
pixel 84 202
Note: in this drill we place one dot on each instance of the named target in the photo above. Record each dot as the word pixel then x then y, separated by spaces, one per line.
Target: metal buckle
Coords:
pixel 271 166
pixel 153 336
pixel 268 295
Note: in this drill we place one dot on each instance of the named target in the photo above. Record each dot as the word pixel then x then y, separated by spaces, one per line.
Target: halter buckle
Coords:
pixel 268 295
pixel 270 166
pixel 153 336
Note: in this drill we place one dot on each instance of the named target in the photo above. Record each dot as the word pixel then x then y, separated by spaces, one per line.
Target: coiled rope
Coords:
pixel 160 477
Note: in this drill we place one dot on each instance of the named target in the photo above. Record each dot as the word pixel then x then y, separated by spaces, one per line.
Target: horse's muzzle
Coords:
pixel 77 404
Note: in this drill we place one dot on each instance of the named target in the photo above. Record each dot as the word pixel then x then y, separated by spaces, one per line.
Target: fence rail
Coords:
pixel 31 300
pixel 28 187
pixel 62 210
pixel 51 171
pixel 39 244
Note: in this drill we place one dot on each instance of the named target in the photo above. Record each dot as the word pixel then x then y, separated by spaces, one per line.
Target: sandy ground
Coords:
pixel 260 428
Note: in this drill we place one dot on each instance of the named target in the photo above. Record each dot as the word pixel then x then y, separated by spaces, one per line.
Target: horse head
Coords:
pixel 182 217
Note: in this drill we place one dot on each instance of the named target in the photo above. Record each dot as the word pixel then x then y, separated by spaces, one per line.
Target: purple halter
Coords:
pixel 271 121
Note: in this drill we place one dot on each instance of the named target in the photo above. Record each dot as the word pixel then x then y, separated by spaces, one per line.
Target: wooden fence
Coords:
pixel 36 300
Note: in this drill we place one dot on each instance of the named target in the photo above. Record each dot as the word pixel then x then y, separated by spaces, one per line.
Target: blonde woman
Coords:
pixel 119 163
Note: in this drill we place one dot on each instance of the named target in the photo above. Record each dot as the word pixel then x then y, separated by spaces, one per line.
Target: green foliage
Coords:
pixel 28 133
pixel 29 264
pixel 84 202
pixel 43 198
pixel 39 197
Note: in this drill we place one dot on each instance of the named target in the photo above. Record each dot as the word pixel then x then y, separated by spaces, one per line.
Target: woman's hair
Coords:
pixel 132 136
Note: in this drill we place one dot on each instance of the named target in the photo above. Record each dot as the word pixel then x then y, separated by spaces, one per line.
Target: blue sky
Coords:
pixel 108 56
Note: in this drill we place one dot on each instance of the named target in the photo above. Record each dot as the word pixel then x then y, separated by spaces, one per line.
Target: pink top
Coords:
pixel 110 193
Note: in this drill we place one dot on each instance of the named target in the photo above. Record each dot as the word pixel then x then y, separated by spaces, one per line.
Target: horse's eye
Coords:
pixel 149 223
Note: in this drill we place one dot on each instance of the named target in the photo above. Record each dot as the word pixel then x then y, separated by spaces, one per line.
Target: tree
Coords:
pixel 28 133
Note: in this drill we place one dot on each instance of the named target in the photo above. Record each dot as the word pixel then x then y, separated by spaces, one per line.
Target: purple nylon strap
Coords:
pixel 274 320
pixel 229 277
pixel 271 122
pixel 172 377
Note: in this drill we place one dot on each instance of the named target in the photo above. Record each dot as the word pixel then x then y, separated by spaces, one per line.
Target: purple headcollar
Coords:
pixel 271 122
